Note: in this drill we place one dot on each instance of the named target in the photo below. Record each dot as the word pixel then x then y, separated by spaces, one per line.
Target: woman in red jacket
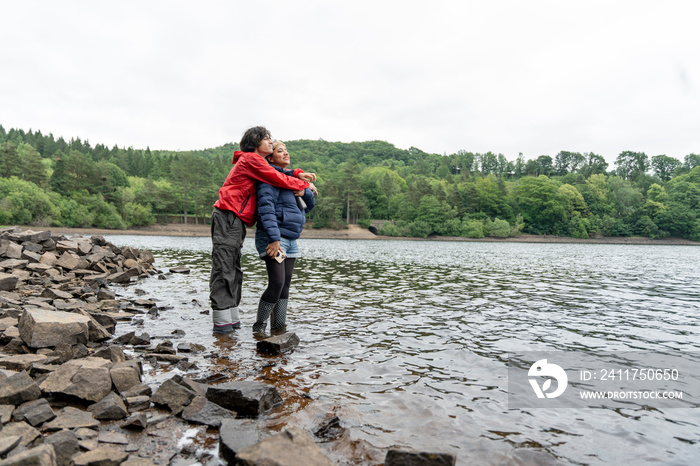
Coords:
pixel 237 206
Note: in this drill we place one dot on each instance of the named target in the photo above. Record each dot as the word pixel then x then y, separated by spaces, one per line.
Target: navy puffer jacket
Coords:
pixel 280 215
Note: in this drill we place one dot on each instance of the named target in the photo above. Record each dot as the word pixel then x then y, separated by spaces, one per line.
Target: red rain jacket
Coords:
pixel 238 191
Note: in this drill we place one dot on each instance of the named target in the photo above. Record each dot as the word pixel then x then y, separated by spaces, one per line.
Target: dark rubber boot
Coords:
pixel 264 311
pixel 278 322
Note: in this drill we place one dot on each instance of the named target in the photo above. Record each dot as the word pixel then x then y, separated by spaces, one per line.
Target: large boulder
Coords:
pixel 292 447
pixel 175 394
pixel 86 378
pixel 247 398
pixel 202 411
pixel 40 328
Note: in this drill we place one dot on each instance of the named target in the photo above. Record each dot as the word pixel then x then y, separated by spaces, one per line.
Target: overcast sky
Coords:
pixel 527 76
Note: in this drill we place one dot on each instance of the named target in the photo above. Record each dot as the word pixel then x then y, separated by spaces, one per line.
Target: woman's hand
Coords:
pixel 273 248
pixel 313 189
pixel 307 176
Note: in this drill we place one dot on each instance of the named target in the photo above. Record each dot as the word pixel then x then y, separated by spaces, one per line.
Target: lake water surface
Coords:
pixel 407 342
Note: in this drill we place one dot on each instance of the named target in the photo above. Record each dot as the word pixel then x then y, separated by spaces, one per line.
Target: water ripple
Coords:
pixel 407 341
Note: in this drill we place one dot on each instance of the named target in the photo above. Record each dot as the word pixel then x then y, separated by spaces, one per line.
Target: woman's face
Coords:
pixel 280 156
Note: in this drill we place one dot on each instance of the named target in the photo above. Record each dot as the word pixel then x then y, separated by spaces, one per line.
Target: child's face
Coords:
pixel 280 156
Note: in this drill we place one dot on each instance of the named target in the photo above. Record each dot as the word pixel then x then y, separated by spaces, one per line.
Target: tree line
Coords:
pixel 47 181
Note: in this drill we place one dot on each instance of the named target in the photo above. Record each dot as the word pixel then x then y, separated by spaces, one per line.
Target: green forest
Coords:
pixel 47 181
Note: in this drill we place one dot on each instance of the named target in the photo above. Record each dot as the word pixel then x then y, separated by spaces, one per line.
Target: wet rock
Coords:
pixel 41 328
pixel 278 344
pixel 137 421
pixel 171 358
pixel 202 411
pixel 165 347
pixel 405 458
pixel 72 418
pixel 21 428
pixel 18 388
pixel 173 395
pixel 290 447
pixel 35 412
pixel 247 398
pixel 111 407
pixel 190 348
pixel 185 366
pixel 65 445
pixel 179 270
pixel 103 456
pixel 8 282
pixel 235 434
pixel 87 379
pixel 43 455
pixel 330 429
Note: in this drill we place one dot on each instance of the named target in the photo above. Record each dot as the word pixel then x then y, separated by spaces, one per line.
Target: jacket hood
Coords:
pixel 237 155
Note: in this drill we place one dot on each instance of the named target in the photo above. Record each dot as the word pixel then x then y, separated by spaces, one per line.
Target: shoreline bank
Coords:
pixel 355 232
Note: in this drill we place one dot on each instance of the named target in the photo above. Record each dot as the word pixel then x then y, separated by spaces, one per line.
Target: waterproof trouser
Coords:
pixel 226 281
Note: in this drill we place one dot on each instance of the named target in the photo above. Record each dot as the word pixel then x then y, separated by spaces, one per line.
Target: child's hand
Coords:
pixel 307 176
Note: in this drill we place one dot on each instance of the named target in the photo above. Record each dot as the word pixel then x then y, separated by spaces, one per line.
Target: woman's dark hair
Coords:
pixel 253 137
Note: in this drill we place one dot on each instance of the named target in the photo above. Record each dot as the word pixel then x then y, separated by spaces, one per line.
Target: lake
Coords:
pixel 408 342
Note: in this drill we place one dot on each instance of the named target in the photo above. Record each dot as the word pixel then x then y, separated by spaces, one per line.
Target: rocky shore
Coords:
pixel 73 394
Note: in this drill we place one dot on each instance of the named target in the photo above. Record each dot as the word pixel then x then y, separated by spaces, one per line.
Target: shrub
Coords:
pixel 138 215
pixel 472 229
pixel 389 229
pixel 497 228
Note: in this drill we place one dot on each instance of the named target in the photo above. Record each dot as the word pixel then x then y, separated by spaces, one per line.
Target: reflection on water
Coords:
pixel 406 341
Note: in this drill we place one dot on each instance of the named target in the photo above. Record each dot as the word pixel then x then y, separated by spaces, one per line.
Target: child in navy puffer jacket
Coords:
pixel 281 221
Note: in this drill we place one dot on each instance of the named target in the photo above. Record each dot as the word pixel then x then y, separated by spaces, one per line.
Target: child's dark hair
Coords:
pixel 253 137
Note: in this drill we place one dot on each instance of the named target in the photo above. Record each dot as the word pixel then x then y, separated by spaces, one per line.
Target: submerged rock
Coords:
pixel 406 458
pixel 278 344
